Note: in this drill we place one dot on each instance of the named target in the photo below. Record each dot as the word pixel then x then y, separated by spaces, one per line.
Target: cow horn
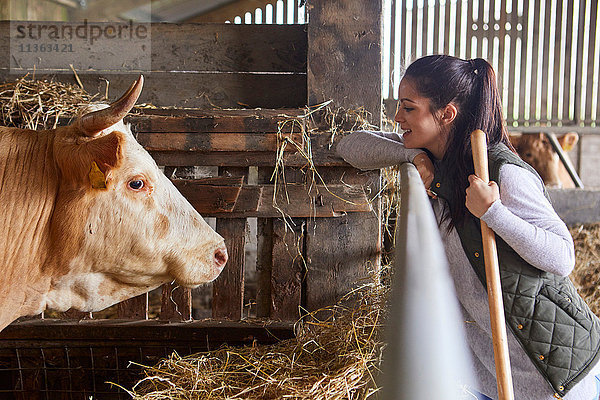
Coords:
pixel 96 121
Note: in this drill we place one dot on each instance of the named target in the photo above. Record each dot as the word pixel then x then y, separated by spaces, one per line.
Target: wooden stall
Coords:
pixel 228 97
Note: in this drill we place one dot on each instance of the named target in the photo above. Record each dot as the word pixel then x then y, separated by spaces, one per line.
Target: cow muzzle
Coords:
pixel 220 259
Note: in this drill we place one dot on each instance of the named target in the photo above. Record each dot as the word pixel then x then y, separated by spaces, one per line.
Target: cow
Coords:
pixel 87 218
pixel 536 150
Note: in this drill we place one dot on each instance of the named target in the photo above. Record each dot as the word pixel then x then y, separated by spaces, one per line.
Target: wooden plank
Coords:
pixel 592 59
pixel 287 269
pixel 392 55
pixel 295 200
pixel 470 31
pixel 460 21
pixel 320 157
pixel 545 60
pixel 404 60
pixel 437 22
pixel 264 253
pixel 337 251
pixel 567 98
pixel 176 303
pixel 425 28
pixel 536 55
pixel 579 79
pixel 173 47
pixel 558 52
pixel 340 251
pixel 200 90
pixel 215 142
pixel 446 17
pixel 209 199
pixel 344 41
pixel 523 73
pixel 501 35
pixel 216 121
pixel 482 33
pixel 228 288
pixel 70 314
pixel 32 334
pixel 134 308
pixel 598 85
pixel 513 68
pixel 413 37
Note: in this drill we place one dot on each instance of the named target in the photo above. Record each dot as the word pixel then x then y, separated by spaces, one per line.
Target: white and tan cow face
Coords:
pixel 536 150
pixel 120 227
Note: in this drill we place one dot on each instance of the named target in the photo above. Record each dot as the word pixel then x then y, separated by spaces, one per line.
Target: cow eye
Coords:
pixel 136 184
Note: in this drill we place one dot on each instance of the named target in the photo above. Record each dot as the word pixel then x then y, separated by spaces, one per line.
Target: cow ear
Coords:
pixel 568 140
pixel 92 161
pixel 515 138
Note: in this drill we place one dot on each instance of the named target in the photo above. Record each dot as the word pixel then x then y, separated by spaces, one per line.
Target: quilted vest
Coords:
pixel 556 328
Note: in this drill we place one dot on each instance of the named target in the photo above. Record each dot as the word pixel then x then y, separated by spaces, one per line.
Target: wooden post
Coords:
pixel 344 65
pixel 228 288
pixel 134 308
pixel 176 301
pixel 492 277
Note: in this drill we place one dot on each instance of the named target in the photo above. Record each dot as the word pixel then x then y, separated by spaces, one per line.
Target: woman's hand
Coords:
pixel 480 196
pixel 425 168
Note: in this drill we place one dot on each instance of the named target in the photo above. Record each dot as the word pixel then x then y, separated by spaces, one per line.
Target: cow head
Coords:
pixel 120 227
pixel 536 150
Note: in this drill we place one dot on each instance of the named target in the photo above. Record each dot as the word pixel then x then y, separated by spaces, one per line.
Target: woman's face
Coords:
pixel 421 128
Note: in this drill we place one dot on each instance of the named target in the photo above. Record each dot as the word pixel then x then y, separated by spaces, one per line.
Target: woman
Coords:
pixel 555 339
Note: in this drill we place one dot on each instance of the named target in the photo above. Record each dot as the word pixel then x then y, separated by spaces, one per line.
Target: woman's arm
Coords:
pixel 373 150
pixel 526 221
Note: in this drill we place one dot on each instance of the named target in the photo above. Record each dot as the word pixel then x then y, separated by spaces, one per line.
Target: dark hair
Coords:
pixel 471 86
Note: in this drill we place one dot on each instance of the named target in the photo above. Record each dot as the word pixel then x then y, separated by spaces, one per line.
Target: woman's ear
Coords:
pixel 448 114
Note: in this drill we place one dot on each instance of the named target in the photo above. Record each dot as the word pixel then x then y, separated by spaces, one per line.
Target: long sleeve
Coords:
pixel 372 150
pixel 526 221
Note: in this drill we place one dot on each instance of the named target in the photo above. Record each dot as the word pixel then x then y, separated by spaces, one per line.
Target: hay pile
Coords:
pixel 38 104
pixel 332 358
pixel 586 275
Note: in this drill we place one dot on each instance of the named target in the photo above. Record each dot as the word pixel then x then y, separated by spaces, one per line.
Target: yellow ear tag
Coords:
pixel 568 146
pixel 97 178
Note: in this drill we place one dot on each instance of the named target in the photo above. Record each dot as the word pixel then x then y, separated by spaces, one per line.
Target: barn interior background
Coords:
pixel 231 80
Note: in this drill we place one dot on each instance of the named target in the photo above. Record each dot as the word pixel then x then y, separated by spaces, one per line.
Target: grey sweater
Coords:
pixel 526 221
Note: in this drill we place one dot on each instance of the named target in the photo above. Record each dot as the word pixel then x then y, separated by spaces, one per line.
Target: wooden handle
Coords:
pixel 492 274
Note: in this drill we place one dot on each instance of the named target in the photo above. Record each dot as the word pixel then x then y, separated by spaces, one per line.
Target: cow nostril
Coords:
pixel 221 257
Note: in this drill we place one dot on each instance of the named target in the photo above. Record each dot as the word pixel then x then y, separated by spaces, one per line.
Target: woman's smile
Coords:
pixel 421 128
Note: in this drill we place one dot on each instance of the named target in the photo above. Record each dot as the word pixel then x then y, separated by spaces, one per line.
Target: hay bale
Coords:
pixel 586 274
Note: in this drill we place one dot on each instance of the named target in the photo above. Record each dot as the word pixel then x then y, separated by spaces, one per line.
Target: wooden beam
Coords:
pixel 228 288
pixel 206 121
pixel 174 47
pixel 294 200
pixel 344 65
